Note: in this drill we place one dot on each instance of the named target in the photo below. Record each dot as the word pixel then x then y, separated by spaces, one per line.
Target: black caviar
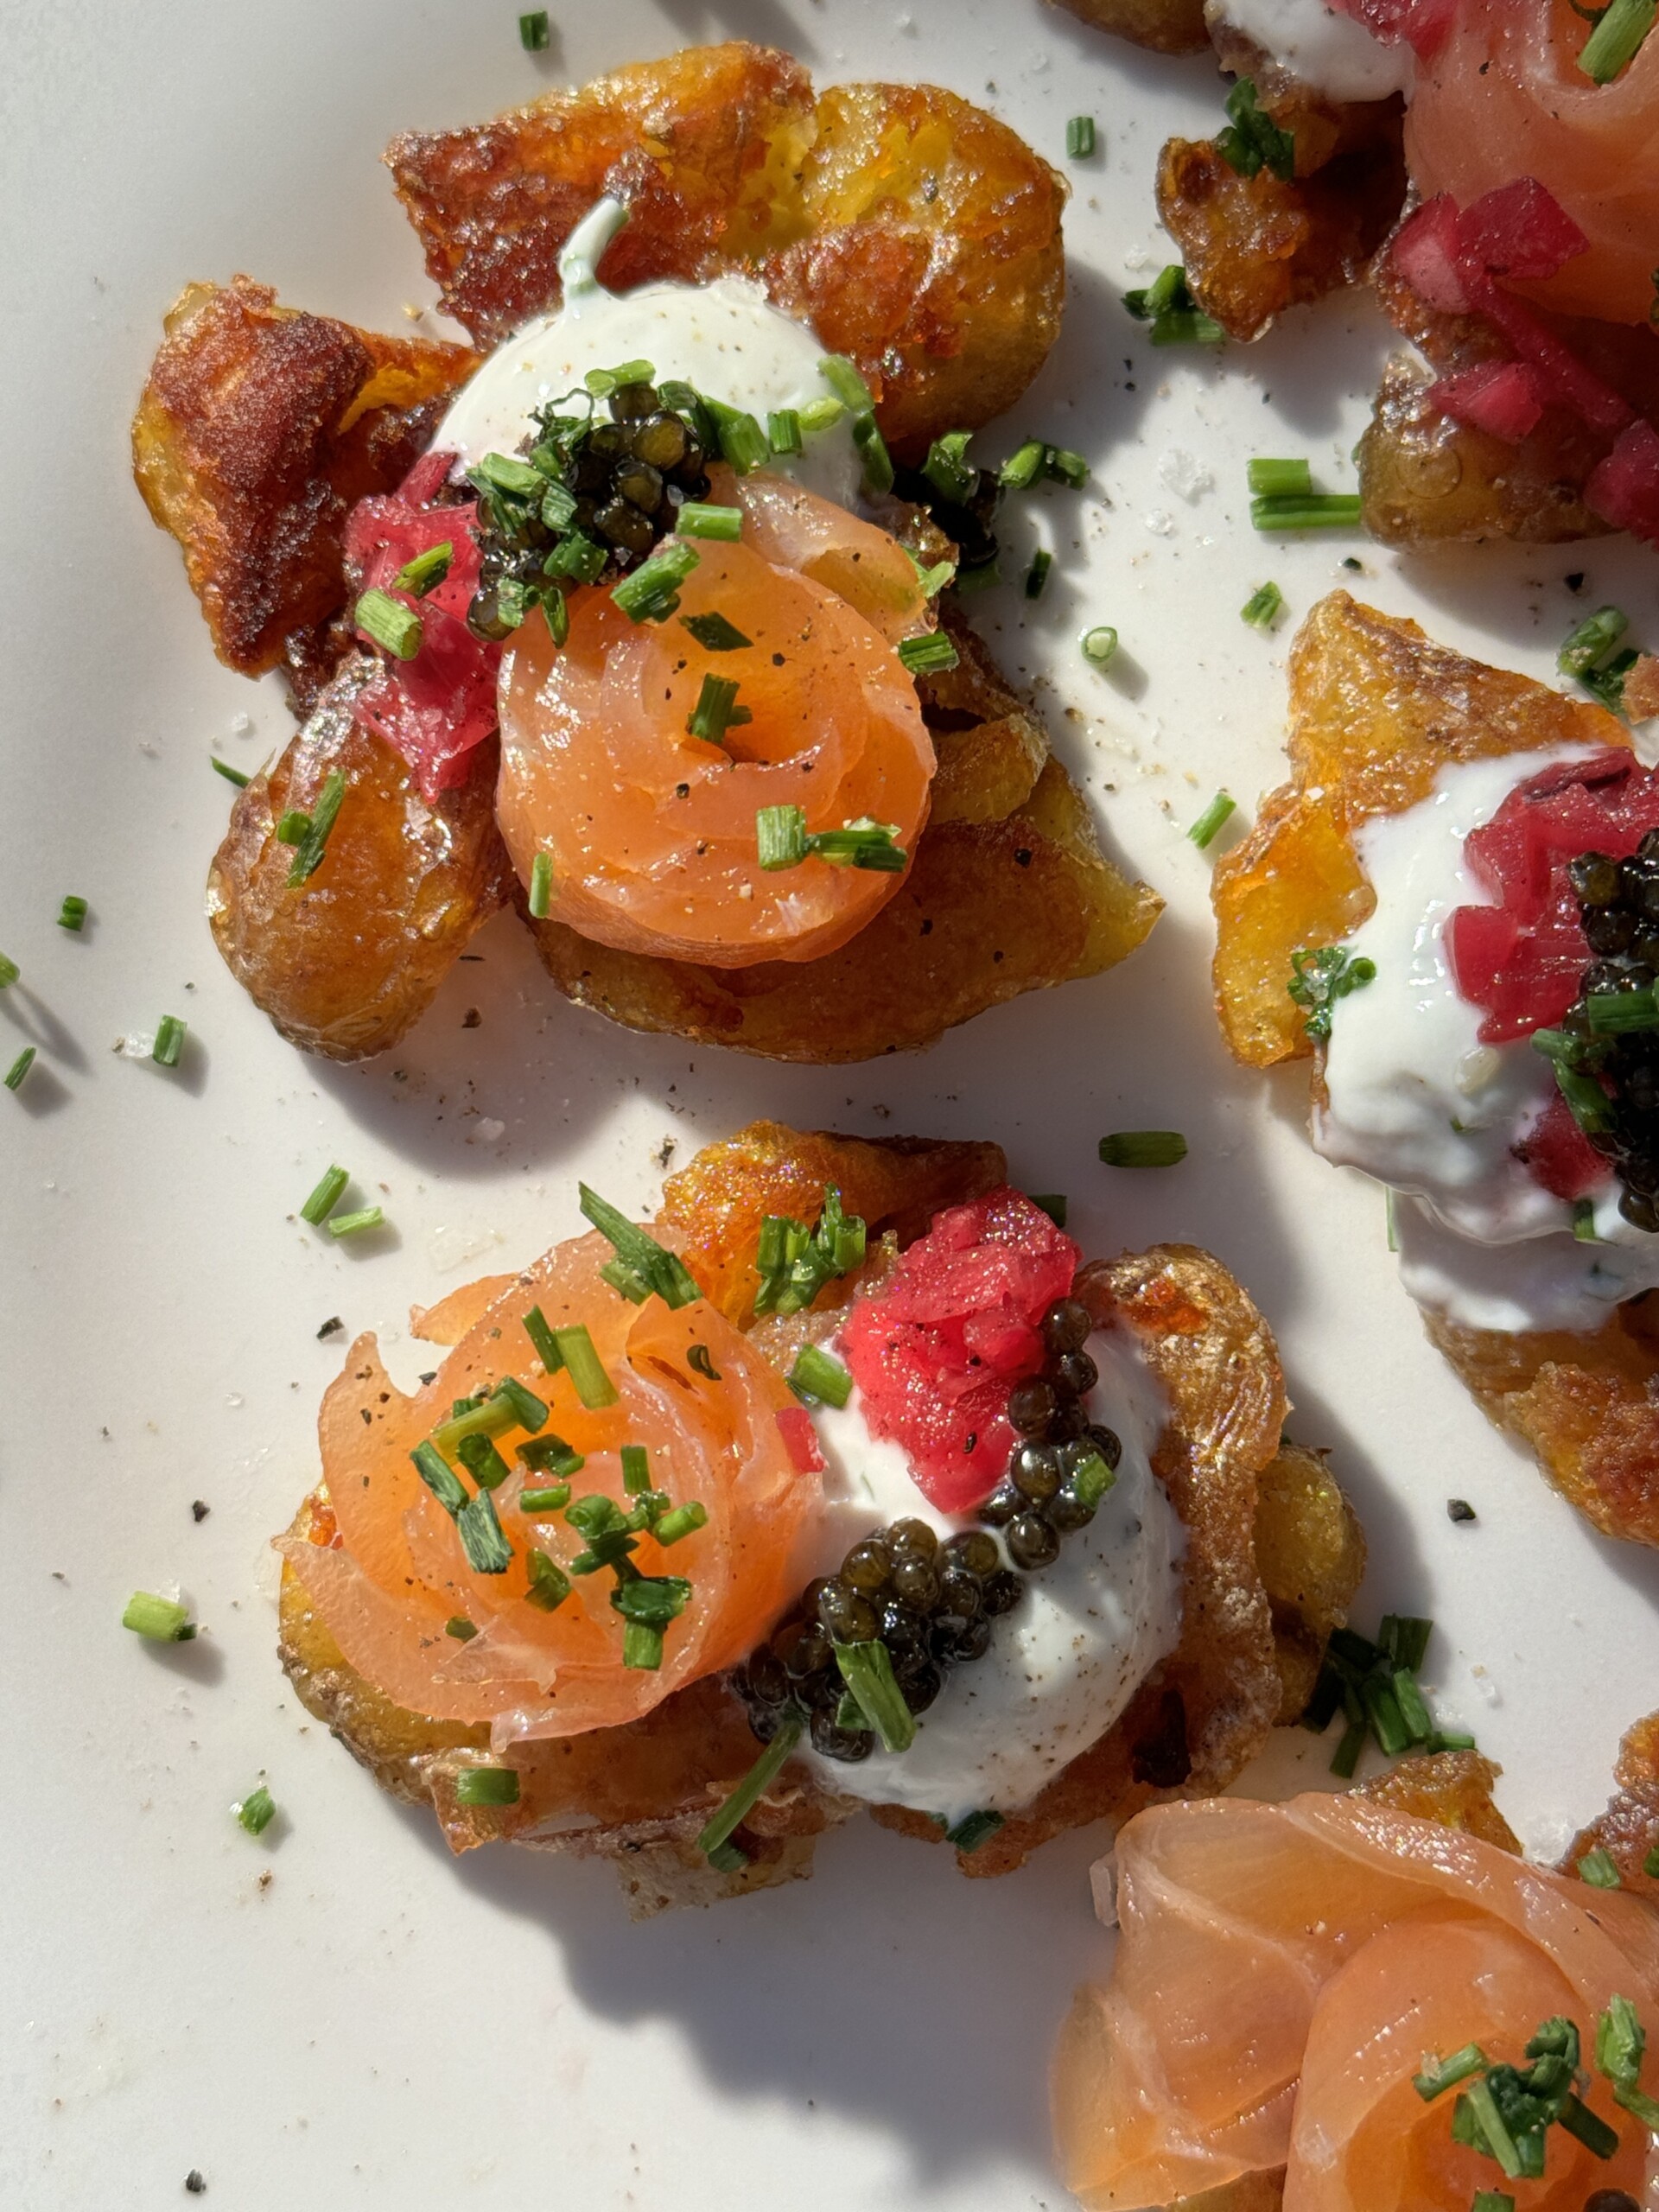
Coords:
pixel 932 1601
pixel 1607 1054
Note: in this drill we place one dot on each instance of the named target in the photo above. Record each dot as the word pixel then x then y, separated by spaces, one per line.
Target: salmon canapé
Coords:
pixel 1289 1979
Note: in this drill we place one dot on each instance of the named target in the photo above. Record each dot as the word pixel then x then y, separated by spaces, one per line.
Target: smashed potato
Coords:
pixel 1451 1788
pixel 1376 710
pixel 345 962
pixel 919 234
pixel 640 1796
pixel 257 429
pixel 1629 1830
pixel 1165 26
pixel 1310 1549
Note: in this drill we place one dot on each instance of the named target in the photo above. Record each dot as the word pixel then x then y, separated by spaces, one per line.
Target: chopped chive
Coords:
pixel 784 430
pixel 1557 1045
pixel 533 32
pixel 818 1374
pixel 1100 645
pixel 1187 327
pixel 1280 480
pixel 742 440
pixel 1345 1758
pixel 1403 1638
pixel 72 915
pixel 1597 1868
pixel 353 1224
pixel 545 1342
pixel 439 1476
pixel 1586 1101
pixel 593 1385
pixel 642 1646
pixel 873 451
pixel 1065 467
pixel 1383 1711
pixel 636 1469
pixel 307 856
pixel 934 579
pixel 327 1196
pixel 1583 1221
pixel 1252 139
pixel 849 386
pixel 488 1417
pixel 1617 39
pixel 558 506
pixel 426 571
pixel 478 1527
pixel 1590 2129
pixel 392 625
pixel 169 1041
pixel 1650 1864
pixel 292 826
pixel 1320 511
pixel 754 1785
pixel 461 1627
pixel 550 1586
pixel 1592 640
pixel 486 1785
pixel 1493 2200
pixel 257 1810
pixel 1500 2143
pixel 1203 831
pixel 1263 608
pixel 973 1829
pixel 867 1670
pixel 651 593
pixel 701 1360
pixel 1638 2103
pixel 1143 1148
pixel 1037 574
pixel 863 844
pixel 932 653
pixel 947 468
pixel 661 1270
pixel 503 471
pixel 540 886
pixel 821 415
pixel 1023 466
pixel 19 1068
pixel 162 1620
pixel 577 557
pixel 695 519
pixel 1413 1707
pixel 531 1411
pixel 780 836
pixel 727 1859
pixel 552 1498
pixel 716 634
pixel 683 1521
pixel 230 775
pixel 482 1461
pixel 1053 1203
pixel 625 1282
pixel 1614 1013
pixel 9 971
pixel 1080 137
pixel 1446 2073
pixel 717 710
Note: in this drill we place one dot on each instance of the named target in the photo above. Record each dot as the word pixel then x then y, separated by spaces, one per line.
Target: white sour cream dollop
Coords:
pixel 1064 1662
pixel 1415 1099
pixel 1330 53
pixel 725 338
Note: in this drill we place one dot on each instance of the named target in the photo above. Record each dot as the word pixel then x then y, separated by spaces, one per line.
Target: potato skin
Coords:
pixel 345 962
pixel 1310 1550
pixel 1629 1829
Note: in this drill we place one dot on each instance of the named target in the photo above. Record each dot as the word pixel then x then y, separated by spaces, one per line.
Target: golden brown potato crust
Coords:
pixel 1165 26
pixel 1629 1829
pixel 1376 711
pixel 257 429
pixel 344 962
pixel 639 1795
pixel 1309 1551
pixel 917 234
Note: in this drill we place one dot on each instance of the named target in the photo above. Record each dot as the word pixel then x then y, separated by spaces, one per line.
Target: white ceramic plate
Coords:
pixel 338 2014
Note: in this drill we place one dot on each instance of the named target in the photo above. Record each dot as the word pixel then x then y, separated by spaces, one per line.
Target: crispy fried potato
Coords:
pixel 988 910
pixel 1629 1830
pixel 640 1796
pixel 259 427
pixel 1310 1550
pixel 917 233
pixel 1376 711
pixel 990 749
pixel 345 962
pixel 1165 26
pixel 1453 1788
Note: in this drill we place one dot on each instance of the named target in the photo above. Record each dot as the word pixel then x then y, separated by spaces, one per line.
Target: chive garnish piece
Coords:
pixel 624 1281
pixel 1037 574
pixel 502 471
pixel 1590 2129
pixel 642 1646
pixel 1100 645
pixel 742 440
pixel 1592 640
pixel 426 571
pixel 849 386
pixel 593 1385
pixel 1345 1758
pixel 162 1620
pixel 973 1830
pixel 727 1859
pixel 581 558
pixel 230 775
pixel 1321 976
pixel 1412 1706
pixel 695 519
pixel 1065 467
pixel 716 634
pixel 1617 39
pixel 545 1342
pixel 661 1270
pixel 19 1068
pixel 653 1599
pixel 257 1810
pixel 169 1041
pixel 1493 2200
pixel 1280 480
pixel 1402 1639
pixel 1080 137
pixel 1496 2137
pixel 556 613
pixel 550 1586
pixel 933 652
pixel 461 1627
pixel 9 971
pixel 307 856
pixel 934 579
pixel 528 1408
pixel 482 1461
pixel 486 1785
pixel 1446 2073
pixel 821 415
pixel 717 710
pixel 533 33
pixel 1053 1203
pixel 780 836
pixel 683 1521
pixel 603 382
pixel 863 844
pixel 636 1469
pixel 1586 1101
pixel 327 1196
pixel 1650 1864
pixel 754 1784
pixel 1597 1868
pixel 72 915
pixel 1143 1148
pixel 1583 1221
pixel 651 592
pixel 1169 307
pixel 1613 1014
pixel 1203 832
pixel 1023 466
pixel 1092 1479
pixel 490 1416
pixel 396 628
pixel 947 468
pixel 867 1670
pixel 1253 139
pixel 1263 608
pixel 540 886
pixel 701 1360
pixel 784 430
pixel 478 1527
pixel 819 1376
pixel 354 1225
pixel 1318 510
pixel 292 826
pixel 439 1476
pixel 873 451
pixel 553 1499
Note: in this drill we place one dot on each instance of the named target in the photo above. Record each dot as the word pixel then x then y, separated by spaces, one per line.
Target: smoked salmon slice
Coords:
pixel 1281 1971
